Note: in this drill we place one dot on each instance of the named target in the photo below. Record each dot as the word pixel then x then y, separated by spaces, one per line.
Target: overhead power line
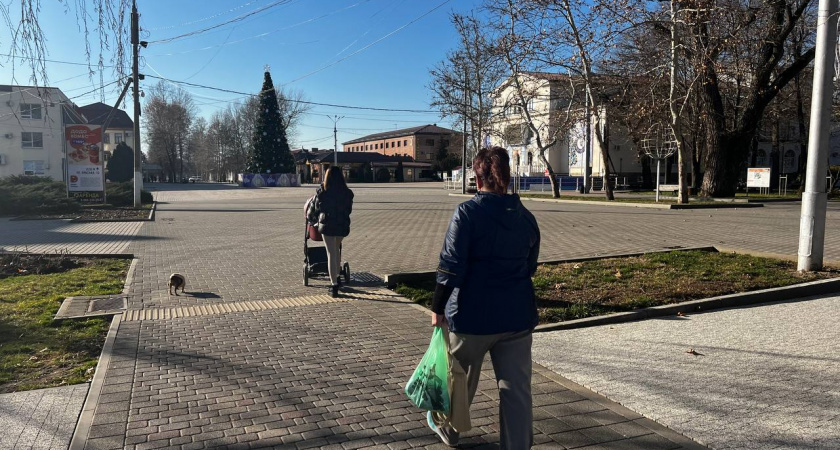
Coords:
pixel 230 91
pixel 203 19
pixel 227 22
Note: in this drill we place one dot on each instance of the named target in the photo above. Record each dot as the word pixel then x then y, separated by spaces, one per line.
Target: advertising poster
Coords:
pixel 758 177
pixel 85 161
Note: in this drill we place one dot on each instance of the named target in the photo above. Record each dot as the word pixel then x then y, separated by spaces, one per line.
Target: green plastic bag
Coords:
pixel 428 387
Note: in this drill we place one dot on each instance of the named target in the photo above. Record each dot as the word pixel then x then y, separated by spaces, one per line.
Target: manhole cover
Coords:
pixel 106 304
pixel 100 305
pixel 366 278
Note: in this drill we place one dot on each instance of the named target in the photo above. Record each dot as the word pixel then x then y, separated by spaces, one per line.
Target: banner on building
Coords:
pixel 85 161
pixel 758 177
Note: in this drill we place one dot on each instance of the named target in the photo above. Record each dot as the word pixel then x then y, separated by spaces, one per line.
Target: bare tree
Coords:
pixel 104 24
pixel 169 114
pixel 463 82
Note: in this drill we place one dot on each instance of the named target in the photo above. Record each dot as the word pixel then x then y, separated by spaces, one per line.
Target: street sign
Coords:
pixel 758 177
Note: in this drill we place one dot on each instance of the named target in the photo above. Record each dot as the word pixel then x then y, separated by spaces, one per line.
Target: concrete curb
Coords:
pixel 720 205
pixel 392 279
pixel 150 218
pixel 76 255
pixel 819 287
pixel 85 422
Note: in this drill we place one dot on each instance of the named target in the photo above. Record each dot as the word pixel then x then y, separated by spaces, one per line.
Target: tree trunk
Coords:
pixel 724 163
pixel 803 137
pixel 552 177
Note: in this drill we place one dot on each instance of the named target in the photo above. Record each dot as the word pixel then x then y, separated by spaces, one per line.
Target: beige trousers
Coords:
pixel 511 357
pixel 333 244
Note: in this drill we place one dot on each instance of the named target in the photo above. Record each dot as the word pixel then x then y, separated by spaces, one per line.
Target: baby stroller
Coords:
pixel 315 261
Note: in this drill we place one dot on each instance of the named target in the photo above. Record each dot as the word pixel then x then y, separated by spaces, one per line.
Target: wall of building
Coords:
pixel 113 136
pixel 21 150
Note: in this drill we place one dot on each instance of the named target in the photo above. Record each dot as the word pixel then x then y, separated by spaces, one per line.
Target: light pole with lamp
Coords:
pixel 658 144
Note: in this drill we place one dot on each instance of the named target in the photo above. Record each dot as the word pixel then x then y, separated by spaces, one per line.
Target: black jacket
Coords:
pixel 490 254
pixel 330 211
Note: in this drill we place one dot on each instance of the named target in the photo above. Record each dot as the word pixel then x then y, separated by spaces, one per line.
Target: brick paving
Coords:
pixel 327 376
pixel 40 419
pixel 53 236
pixel 245 246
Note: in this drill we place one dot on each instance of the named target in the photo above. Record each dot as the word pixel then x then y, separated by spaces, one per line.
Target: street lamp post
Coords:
pixel 335 120
pixel 815 197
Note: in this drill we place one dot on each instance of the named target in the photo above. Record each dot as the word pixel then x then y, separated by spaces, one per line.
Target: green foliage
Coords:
pixel 121 164
pixel 399 176
pixel 271 152
pixel 603 286
pixel 29 195
pixel 36 353
pixel 122 194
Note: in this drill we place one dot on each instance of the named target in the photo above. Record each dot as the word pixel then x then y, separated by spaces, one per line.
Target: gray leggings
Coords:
pixel 333 244
pixel 511 356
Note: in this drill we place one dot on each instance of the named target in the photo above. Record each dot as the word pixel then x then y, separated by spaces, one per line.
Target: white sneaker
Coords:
pixel 443 437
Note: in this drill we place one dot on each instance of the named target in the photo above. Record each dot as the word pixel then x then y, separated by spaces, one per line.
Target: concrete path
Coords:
pixel 765 377
pixel 40 419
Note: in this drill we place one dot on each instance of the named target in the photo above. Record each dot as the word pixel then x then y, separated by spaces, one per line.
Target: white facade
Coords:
pixel 547 98
pixel 32 123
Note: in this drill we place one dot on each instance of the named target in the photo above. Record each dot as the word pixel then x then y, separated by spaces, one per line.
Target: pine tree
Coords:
pixel 121 164
pixel 271 152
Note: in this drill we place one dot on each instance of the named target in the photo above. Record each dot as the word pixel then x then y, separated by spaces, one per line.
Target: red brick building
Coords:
pixel 420 143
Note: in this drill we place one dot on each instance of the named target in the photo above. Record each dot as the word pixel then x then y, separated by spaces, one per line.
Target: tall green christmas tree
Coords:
pixel 271 152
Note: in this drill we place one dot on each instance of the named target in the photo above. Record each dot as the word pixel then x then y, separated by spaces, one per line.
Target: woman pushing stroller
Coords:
pixel 329 212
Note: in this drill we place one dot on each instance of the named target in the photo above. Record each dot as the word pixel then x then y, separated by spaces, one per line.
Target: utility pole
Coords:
pixel 335 120
pixel 135 46
pixel 815 197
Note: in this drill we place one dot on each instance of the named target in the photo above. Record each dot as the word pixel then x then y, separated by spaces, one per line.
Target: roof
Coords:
pixel 361 157
pixel 422 129
pixel 96 113
pixel 303 155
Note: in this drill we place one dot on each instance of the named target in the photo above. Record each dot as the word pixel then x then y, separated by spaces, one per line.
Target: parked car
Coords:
pixel 195 178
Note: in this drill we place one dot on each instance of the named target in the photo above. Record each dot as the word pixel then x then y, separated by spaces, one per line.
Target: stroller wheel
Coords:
pixel 305 275
pixel 346 273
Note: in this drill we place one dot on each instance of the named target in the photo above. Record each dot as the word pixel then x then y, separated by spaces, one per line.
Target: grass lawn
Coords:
pixel 36 353
pixel 592 288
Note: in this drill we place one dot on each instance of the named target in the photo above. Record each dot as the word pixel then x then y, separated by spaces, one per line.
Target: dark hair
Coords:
pixel 492 166
pixel 334 179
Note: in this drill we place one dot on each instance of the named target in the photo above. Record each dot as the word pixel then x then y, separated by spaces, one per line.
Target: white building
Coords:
pixel 32 121
pixel 547 97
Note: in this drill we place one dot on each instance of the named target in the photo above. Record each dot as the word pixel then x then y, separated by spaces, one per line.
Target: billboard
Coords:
pixel 85 160
pixel 758 177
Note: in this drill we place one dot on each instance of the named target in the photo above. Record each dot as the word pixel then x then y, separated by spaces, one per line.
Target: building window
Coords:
pixel 386 145
pixel 405 142
pixel 106 138
pixel 398 143
pixel 33 167
pixel 376 146
pixel 30 111
pixel 32 140
pixel 445 143
pixel 430 142
pixel 118 137
pixel 531 105
pixel 127 136
pixel 761 158
pixel 788 161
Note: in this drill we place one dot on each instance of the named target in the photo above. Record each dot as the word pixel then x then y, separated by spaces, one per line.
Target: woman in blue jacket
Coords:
pixel 485 295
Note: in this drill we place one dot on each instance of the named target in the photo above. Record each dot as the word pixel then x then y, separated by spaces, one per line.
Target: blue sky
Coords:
pixel 295 38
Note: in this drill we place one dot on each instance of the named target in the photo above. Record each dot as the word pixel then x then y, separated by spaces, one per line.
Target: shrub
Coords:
pixel 25 195
pixel 122 194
